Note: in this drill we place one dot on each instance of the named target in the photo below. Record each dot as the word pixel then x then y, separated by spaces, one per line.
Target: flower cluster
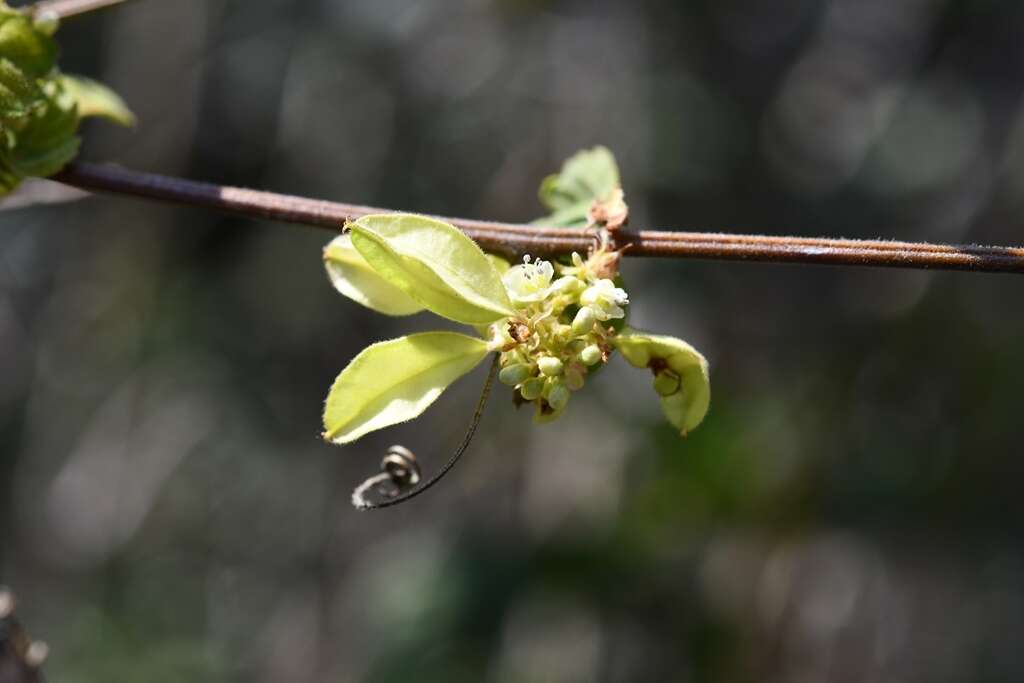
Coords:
pixel 551 323
pixel 562 329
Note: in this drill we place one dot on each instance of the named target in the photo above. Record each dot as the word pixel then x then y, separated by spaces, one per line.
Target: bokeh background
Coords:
pixel 851 510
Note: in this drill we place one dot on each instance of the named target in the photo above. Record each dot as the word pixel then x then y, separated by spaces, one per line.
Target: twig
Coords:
pixel 69 8
pixel 511 239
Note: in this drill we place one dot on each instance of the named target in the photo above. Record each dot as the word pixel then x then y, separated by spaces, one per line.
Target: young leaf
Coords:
pixel 586 176
pixel 352 276
pixel 435 264
pixel 685 404
pixel 96 99
pixel 396 380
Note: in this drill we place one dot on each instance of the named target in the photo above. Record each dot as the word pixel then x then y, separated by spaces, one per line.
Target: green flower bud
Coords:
pixel 574 377
pixel 591 355
pixel 550 366
pixel 46 22
pixel 558 396
pixel 514 374
pixel 666 383
pixel 584 320
pixel 531 389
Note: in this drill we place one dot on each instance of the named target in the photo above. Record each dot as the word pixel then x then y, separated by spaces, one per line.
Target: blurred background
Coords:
pixel 850 510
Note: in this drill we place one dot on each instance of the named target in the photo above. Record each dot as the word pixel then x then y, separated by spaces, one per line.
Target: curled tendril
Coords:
pixel 400 472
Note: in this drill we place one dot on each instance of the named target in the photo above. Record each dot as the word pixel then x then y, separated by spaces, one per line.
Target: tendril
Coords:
pixel 401 473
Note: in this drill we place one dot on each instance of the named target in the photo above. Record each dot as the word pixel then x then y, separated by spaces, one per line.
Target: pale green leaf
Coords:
pixel 396 380
pixel 96 99
pixel 587 176
pixel 435 264
pixel 685 408
pixel 352 276
pixel 500 264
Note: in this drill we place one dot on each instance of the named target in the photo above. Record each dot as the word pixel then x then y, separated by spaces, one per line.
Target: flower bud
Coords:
pixel 550 366
pixel 558 396
pixel 666 383
pixel 574 377
pixel 514 374
pixel 584 320
pixel 531 389
pixel 591 355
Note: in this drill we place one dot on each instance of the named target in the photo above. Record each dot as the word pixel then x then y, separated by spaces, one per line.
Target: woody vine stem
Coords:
pixel 513 239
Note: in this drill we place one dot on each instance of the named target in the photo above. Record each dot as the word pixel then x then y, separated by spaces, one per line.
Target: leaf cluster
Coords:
pixel 40 107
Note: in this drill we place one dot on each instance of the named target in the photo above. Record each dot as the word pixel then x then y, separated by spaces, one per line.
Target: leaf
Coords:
pixel 685 408
pixel 396 380
pixel 587 176
pixel 352 276
pixel 96 99
pixel 435 264
pixel 500 264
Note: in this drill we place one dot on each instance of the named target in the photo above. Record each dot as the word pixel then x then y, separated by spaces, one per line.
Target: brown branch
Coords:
pixel 511 239
pixel 70 8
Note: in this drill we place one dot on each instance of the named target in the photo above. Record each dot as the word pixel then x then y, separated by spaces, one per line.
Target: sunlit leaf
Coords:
pixel 352 276
pixel 435 264
pixel 396 380
pixel 686 405
pixel 500 264
pixel 95 99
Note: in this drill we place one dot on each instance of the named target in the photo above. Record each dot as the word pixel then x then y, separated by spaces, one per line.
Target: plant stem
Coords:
pixel 513 240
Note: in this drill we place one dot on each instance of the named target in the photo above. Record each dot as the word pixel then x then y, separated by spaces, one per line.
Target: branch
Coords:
pixel 69 8
pixel 512 240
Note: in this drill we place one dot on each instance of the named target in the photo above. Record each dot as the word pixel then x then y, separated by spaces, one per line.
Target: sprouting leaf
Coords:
pixel 587 176
pixel 24 44
pixel 352 276
pixel 680 374
pixel 435 264
pixel 96 99
pixel 396 380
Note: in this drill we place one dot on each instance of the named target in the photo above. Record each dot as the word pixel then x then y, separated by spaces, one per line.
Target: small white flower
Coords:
pixel 529 282
pixel 605 299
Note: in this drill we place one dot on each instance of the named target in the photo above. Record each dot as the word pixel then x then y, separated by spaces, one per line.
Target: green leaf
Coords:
pixel 352 276
pixel 435 264
pixel 686 407
pixel 96 99
pixel 396 380
pixel 587 176
pixel 500 264
pixel 28 47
